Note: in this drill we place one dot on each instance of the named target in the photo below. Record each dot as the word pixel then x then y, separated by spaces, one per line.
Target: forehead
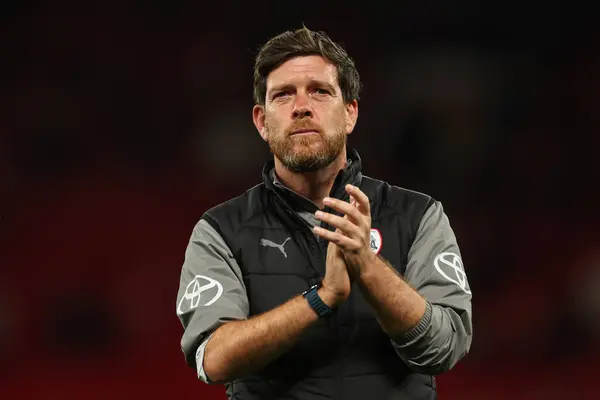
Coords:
pixel 299 69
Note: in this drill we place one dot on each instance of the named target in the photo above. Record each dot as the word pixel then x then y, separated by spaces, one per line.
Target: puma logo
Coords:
pixel 268 243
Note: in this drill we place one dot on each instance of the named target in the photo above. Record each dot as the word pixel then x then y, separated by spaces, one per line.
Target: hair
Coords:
pixel 304 42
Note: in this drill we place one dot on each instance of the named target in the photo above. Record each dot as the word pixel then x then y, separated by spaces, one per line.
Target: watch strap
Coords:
pixel 317 304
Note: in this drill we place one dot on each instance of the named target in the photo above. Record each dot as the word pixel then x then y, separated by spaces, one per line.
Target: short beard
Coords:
pixel 308 160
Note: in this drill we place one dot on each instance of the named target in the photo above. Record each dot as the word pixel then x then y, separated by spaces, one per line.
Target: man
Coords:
pixel 321 282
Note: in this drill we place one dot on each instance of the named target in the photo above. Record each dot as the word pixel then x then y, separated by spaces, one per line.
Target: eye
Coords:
pixel 322 91
pixel 280 94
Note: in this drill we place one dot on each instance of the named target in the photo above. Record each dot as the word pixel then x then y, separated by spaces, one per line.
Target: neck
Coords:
pixel 315 185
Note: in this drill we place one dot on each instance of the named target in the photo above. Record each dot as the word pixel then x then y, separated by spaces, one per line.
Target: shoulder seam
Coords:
pixel 430 200
pixel 212 214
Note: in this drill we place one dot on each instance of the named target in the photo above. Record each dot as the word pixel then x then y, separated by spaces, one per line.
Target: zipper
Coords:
pixel 322 253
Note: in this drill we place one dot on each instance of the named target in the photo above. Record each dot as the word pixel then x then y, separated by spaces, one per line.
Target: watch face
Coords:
pixel 313 287
pixel 306 292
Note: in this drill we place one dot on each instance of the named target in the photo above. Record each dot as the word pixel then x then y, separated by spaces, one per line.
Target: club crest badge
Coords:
pixel 376 240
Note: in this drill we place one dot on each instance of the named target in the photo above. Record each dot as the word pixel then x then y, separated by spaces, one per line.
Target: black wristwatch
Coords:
pixel 316 303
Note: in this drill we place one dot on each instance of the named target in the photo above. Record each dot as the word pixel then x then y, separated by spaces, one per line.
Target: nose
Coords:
pixel 301 107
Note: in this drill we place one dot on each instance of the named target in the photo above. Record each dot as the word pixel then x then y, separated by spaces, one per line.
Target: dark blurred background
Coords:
pixel 121 122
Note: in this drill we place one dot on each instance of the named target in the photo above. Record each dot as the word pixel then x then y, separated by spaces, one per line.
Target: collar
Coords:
pixel 352 174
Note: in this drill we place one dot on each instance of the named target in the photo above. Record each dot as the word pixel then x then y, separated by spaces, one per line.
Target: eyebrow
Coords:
pixel 278 88
pixel 312 83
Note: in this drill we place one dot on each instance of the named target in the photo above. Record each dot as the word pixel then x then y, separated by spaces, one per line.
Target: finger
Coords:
pixel 342 241
pixel 345 208
pixel 346 226
pixel 363 201
pixel 346 215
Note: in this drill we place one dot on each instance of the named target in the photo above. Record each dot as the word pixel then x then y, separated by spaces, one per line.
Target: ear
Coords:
pixel 351 116
pixel 258 116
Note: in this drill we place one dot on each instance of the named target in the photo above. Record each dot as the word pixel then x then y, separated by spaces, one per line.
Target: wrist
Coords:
pixel 316 302
pixel 365 265
pixel 331 299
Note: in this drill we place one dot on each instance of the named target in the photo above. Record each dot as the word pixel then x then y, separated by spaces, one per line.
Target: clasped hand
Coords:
pixel 353 231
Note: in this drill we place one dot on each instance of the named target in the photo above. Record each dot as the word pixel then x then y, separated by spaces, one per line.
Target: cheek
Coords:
pixel 337 120
pixel 276 113
pixel 273 125
pixel 347 121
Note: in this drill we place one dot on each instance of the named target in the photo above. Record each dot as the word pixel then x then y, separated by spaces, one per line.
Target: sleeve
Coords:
pixel 435 270
pixel 211 292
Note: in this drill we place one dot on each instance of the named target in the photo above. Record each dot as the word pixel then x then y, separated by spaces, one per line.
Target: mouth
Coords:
pixel 304 132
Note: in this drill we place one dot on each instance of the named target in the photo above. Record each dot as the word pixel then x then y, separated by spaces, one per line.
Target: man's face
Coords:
pixel 304 119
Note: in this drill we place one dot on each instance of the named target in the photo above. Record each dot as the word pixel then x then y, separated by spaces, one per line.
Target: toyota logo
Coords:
pixel 450 266
pixel 200 289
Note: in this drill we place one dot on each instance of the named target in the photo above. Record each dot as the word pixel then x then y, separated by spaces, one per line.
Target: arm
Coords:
pixel 444 334
pixel 211 292
pixel 218 337
pixel 241 347
pixel 431 325
pixel 397 306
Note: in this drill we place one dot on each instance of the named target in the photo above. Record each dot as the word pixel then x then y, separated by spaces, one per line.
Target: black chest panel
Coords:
pixel 280 258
